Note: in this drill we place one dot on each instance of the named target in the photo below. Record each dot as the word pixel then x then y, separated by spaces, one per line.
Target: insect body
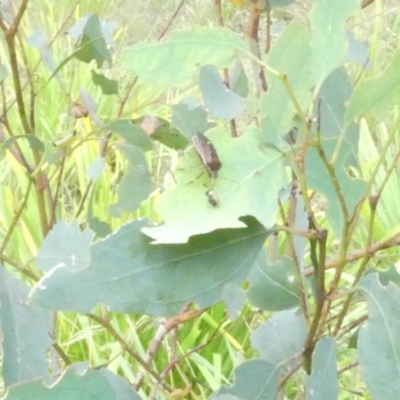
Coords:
pixel 207 153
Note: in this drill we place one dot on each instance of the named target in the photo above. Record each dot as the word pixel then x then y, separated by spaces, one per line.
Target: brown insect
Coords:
pixel 206 150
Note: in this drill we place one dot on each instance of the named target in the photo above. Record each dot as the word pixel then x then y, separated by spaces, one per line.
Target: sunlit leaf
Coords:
pixel 248 183
pixel 378 93
pixel 329 43
pixel 178 55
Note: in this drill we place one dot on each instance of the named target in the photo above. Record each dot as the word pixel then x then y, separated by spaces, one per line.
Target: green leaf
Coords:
pixel 38 40
pixel 65 246
pixel 222 102
pixel 379 339
pixel 335 92
pixel 25 333
pixel 97 50
pixel 273 287
pixel 132 133
pixel 377 94
pixel 74 384
pixel 108 86
pixel 234 299
pixel 291 55
pixel 318 178
pixel 165 134
pixel 135 186
pixel 281 338
pixel 255 379
pixel 329 43
pixel 189 120
pixel 280 3
pixel 129 275
pixel 248 183
pixel 97 167
pixel 34 142
pixel 173 61
pixel 238 80
pixel 322 384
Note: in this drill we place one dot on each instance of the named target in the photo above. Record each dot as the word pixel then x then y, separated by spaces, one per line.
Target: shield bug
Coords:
pixel 206 150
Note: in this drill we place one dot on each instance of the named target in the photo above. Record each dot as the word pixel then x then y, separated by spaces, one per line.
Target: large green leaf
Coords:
pixel 65 246
pixel 255 379
pixel 322 384
pixel 25 333
pixel 77 383
pixel 130 275
pixel 281 338
pixel 274 287
pixel 135 186
pixel 173 61
pixel 379 339
pixel 329 43
pixel 248 183
pixel 378 93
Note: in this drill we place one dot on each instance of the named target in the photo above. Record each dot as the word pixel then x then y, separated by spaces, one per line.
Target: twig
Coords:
pixel 107 325
pixel 170 20
pixel 252 38
pixel 218 8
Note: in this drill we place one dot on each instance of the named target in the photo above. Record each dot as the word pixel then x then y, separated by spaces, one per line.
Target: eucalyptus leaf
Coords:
pixel 135 186
pixel 93 35
pixel 129 275
pixel 322 384
pixel 25 333
pixel 255 379
pixel 132 133
pixel 248 183
pixel 281 338
pixel 376 94
pixel 329 43
pixel 179 54
pixel 274 287
pixel 222 102
pixel 188 120
pixel 378 339
pixel 65 246
pixel 76 384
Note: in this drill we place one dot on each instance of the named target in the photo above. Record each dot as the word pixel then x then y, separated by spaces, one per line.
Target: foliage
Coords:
pixel 135 265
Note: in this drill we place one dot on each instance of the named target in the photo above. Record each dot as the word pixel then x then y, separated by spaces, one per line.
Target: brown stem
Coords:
pixel 252 37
